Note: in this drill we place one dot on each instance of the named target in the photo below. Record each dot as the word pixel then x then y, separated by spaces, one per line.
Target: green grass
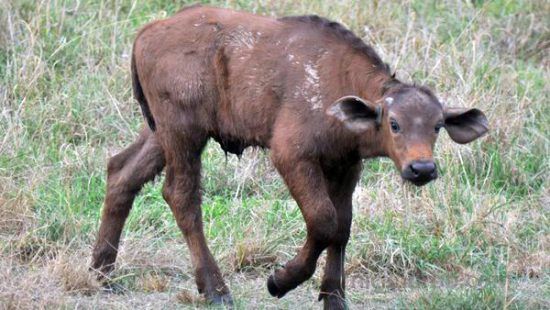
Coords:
pixel 476 238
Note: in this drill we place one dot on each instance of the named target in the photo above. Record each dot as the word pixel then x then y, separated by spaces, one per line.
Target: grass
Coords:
pixel 476 238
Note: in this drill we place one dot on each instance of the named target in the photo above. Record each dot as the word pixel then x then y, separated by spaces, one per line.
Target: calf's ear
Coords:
pixel 355 113
pixel 465 125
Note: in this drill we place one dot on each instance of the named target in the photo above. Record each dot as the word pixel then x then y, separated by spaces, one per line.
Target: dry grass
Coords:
pixel 476 238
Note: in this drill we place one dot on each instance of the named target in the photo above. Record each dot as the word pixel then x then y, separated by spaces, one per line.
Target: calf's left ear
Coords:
pixel 465 125
pixel 355 113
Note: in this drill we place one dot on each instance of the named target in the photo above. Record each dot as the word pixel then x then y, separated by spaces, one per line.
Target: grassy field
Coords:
pixel 476 238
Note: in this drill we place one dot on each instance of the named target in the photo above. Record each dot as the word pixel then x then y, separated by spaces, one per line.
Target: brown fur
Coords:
pixel 246 80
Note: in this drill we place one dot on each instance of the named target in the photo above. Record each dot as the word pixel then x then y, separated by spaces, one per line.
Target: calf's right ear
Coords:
pixel 355 113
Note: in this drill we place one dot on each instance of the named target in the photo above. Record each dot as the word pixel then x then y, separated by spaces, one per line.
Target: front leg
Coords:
pixel 341 183
pixel 308 187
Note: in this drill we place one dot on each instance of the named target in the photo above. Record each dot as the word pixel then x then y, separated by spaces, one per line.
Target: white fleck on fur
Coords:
pixel 389 100
pixel 312 75
pixel 311 86
pixel 241 37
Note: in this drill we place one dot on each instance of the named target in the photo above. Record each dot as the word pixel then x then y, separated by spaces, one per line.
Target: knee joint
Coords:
pixel 323 226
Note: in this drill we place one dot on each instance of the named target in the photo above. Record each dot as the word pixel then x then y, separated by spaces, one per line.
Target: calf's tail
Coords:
pixel 140 96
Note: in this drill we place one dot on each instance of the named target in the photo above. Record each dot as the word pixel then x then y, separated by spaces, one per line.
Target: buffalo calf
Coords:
pixel 306 88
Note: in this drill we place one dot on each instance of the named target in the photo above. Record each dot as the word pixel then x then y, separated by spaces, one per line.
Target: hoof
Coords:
pixel 101 276
pixel 103 261
pixel 274 289
pixel 333 302
pixel 112 288
pixel 101 270
pixel 222 300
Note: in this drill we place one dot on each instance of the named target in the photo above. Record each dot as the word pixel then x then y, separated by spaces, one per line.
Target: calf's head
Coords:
pixel 406 124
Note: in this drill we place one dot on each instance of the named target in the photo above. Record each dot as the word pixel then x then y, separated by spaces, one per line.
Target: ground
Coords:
pixel 475 238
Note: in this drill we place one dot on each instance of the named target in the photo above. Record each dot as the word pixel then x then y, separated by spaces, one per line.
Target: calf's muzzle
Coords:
pixel 420 172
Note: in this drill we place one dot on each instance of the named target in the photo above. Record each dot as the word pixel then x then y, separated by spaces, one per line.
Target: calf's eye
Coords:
pixel 394 126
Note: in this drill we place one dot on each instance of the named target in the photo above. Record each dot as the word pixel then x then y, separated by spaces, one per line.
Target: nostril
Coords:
pixel 413 170
pixel 430 167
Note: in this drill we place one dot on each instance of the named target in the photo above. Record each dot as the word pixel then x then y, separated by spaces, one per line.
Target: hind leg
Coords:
pixel 127 172
pixel 182 192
